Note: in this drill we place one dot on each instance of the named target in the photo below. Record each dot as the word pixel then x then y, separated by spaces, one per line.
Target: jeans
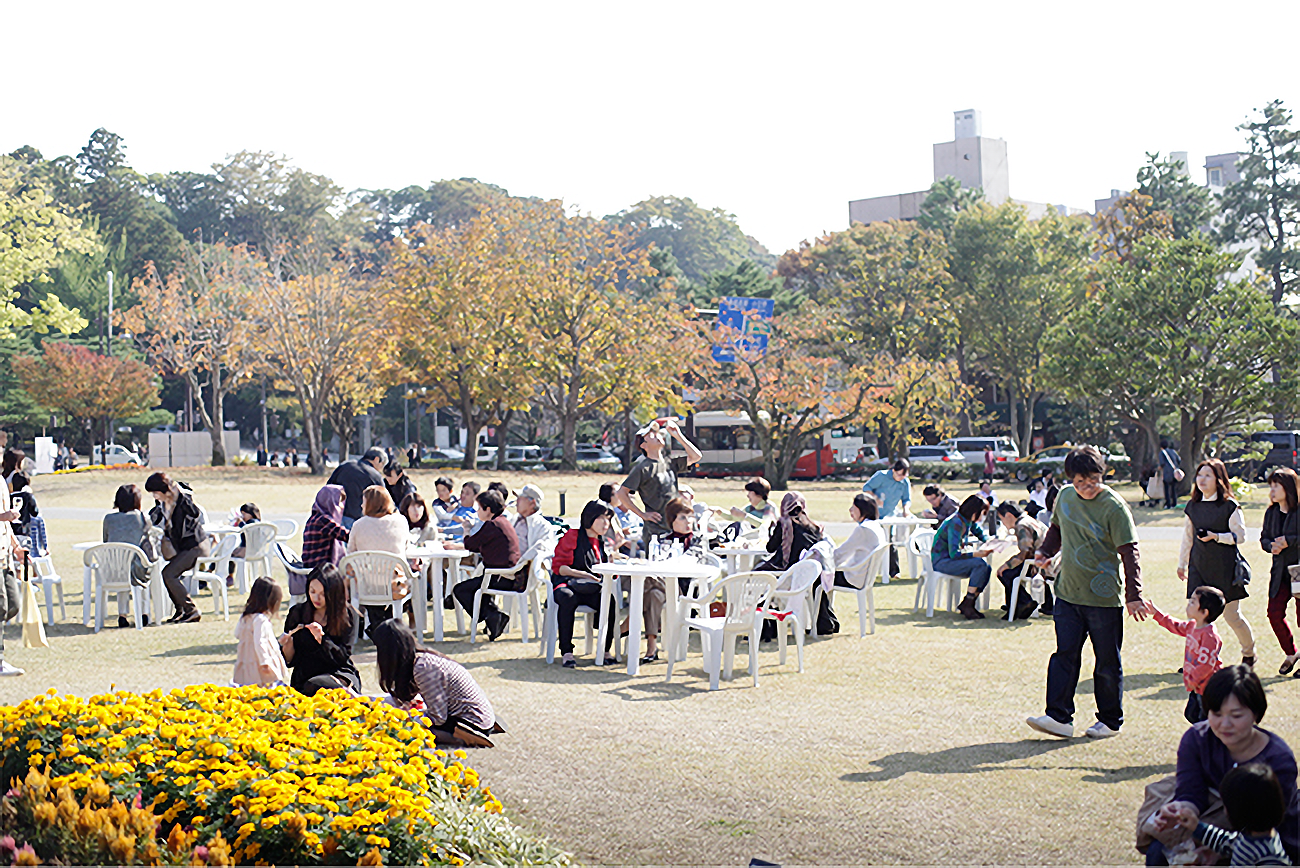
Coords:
pixel 1277 619
pixel 977 569
pixel 1104 627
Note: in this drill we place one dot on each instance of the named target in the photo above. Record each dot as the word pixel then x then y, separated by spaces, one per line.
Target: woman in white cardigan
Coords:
pixel 852 557
pixel 381 528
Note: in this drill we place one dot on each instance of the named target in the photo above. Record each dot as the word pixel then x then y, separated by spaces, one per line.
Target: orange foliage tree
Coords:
pixel 85 385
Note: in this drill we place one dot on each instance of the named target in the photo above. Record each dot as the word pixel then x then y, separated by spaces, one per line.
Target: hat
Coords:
pixel 530 491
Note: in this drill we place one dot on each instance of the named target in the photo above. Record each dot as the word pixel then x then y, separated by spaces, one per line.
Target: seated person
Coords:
pixel 317 637
pixel 867 537
pixel 258 658
pixel 1038 493
pixel 573 581
pixel 498 547
pixel 758 511
pixel 1029 535
pixel 444 506
pixel 248 514
pixel 701 514
pixel 381 529
pixel 466 514
pixel 129 525
pixel 416 513
pixel 458 710
pixel 792 535
pixel 24 501
pixel 949 554
pixel 941 503
pixel 677 515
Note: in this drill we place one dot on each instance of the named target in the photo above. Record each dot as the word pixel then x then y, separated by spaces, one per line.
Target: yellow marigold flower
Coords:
pixel 218 851
pixel 123 849
pixel 45 814
pixel 374 857
pixel 27 856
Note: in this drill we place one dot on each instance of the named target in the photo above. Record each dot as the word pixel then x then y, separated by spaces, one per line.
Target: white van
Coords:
pixel 972 448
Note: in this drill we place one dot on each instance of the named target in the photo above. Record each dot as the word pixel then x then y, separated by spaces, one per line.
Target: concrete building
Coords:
pixel 1221 170
pixel 975 160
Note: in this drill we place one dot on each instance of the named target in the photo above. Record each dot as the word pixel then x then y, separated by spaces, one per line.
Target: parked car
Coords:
pixel 1283 451
pixel 934 453
pixel 972 448
pixel 589 455
pixel 116 455
pixel 1053 457
pixel 442 456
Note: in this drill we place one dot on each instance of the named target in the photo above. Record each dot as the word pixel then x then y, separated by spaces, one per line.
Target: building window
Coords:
pixel 1216 177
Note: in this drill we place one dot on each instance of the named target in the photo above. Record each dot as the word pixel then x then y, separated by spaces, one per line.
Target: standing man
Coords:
pixel 990 464
pixel 261 455
pixel 1171 470
pixel 356 476
pixel 890 488
pixel 1093 530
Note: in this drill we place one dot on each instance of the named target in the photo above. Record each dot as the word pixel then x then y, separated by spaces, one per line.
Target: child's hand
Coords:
pixel 1186 817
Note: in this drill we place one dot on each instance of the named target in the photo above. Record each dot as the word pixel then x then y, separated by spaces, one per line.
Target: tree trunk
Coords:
pixel 218 424
pixel 629 435
pixel 473 425
pixel 1186 445
pixel 502 429
pixel 568 440
pixel 1027 441
pixel 311 428
pixel 1013 404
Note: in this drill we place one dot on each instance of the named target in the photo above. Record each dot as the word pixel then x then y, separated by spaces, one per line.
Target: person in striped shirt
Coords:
pixel 1253 797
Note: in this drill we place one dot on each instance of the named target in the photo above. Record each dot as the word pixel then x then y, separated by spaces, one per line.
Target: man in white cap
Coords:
pixel 535 532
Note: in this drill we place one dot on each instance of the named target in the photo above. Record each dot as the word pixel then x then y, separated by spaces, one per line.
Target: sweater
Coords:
pixel 496 543
pixel 1201 653
pixel 388 533
pixel 258 647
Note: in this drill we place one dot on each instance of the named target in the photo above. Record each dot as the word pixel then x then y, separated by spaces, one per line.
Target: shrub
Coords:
pixel 238 775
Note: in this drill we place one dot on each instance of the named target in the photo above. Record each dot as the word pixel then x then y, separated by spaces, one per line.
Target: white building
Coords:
pixel 975 160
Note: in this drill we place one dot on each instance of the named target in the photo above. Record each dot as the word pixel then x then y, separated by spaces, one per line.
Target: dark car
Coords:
pixel 1283 449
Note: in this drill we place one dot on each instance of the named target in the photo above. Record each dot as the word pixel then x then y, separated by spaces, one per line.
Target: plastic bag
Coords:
pixel 33 627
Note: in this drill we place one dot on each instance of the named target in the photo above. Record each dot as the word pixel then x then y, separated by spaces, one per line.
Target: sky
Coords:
pixel 779 113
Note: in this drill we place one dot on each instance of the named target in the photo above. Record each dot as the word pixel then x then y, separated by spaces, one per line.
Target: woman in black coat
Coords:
pixel 317 637
pixel 182 524
pixel 1280 537
pixel 792 535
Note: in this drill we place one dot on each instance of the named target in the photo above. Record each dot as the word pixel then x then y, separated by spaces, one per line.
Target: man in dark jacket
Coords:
pixel 355 477
pixel 1171 469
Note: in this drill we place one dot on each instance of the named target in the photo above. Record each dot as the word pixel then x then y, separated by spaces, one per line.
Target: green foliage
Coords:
pixel 1264 206
pixel 947 199
pixel 703 242
pixel 744 280
pixel 1173 192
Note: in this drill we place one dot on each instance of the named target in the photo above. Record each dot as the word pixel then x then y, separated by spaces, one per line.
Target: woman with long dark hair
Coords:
pixel 182 524
pixel 457 708
pixel 574 583
pixel 1280 537
pixel 1211 533
pixel 793 534
pixel 317 637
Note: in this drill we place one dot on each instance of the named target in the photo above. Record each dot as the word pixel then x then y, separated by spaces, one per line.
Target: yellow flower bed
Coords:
pixel 260 776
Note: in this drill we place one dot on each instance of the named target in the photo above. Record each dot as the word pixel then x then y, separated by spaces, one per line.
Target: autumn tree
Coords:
pixel 591 331
pixel 87 386
pixel 458 297
pixel 794 391
pixel 321 324
pixel 197 323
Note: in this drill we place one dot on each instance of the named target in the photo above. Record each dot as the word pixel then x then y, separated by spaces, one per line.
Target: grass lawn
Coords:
pixel 908 746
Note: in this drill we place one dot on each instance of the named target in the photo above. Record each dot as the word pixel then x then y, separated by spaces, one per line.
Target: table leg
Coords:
pixel 634 624
pixel 436 566
pixel 420 605
pixel 87 579
pixel 606 600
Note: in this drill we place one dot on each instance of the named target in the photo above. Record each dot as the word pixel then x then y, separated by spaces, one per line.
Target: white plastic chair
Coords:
pixel 681 606
pixel 259 552
pixel 111 564
pixel 293 575
pixel 50 581
pixel 526 599
pixel 285 529
pixel 551 617
pixel 929 583
pixel 1033 586
pixel 868 569
pixel 212 570
pixel 788 604
pixel 372 575
pixel 745 594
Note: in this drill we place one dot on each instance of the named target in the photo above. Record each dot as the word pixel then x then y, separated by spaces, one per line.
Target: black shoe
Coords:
pixel 968 610
pixel 144 620
pixel 449 602
pixel 190 617
pixel 122 622
pixel 610 659
pixel 1248 661
pixel 650 658
pixel 497 626
pixel 569 664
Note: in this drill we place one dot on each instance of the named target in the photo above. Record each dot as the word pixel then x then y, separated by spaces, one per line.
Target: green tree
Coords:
pixel 1173 192
pixel 447 203
pixel 744 280
pixel 947 198
pixel 702 241
pixel 1263 208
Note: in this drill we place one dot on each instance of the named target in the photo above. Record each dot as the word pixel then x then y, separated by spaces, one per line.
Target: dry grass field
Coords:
pixel 908 746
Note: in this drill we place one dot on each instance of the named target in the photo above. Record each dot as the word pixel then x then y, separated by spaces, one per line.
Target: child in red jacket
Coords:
pixel 1201 656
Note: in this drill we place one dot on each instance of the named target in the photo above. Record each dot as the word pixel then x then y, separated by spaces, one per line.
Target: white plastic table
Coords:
pixel 740 559
pixel 434 557
pixel 639 570
pixel 902 521
pixel 157 589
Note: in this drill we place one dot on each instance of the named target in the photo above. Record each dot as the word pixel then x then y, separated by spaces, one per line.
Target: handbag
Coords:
pixel 1295 579
pixel 33 627
pixel 1156 485
pixel 1155 796
pixel 1241 575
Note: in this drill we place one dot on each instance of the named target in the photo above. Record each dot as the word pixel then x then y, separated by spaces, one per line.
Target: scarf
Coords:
pixel 329 505
pixel 792 503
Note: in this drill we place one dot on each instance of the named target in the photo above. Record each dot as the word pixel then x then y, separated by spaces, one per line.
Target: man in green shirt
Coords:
pixel 1093 530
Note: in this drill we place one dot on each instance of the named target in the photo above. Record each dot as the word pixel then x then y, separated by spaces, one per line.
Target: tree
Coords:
pixel 1263 207
pixel 702 241
pixel 1173 193
pixel 35 234
pixel 796 390
pixel 744 280
pixel 85 385
pixel 947 198
pixel 458 295
pixel 593 333
pixel 322 325
pixel 443 204
pixel 1120 227
pixel 197 322
pixel 1174 333
pixel 1014 279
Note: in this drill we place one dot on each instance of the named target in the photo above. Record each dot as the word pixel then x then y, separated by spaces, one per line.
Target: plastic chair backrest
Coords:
pixel 259 537
pixel 44 567
pixel 744 593
pixel 112 562
pixel 225 548
pixel 921 542
pixel 285 527
pixel 374 572
pixel 800 577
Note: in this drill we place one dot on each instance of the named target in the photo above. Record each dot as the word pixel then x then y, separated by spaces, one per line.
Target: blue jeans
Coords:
pixel 348 522
pixel 977 569
pixel 1104 627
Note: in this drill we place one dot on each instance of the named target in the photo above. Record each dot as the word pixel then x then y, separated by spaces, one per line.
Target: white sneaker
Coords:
pixel 1051 726
pixel 1101 730
pixel 6 669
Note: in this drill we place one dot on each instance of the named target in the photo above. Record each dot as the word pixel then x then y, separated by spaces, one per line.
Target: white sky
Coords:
pixel 778 112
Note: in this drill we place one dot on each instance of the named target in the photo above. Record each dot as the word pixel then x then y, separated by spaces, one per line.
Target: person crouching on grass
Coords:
pixel 1201 655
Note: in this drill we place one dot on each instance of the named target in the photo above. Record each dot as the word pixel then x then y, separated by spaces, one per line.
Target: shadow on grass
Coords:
pixel 978 758
pixel 201 650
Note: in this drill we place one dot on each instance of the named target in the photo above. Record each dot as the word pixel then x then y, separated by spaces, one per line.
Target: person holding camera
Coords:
pixel 1212 531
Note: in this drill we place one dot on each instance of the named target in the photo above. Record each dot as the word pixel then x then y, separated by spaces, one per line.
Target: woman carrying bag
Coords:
pixel 1213 529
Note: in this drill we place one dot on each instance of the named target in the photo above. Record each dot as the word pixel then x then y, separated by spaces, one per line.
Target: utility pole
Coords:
pixel 112 433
